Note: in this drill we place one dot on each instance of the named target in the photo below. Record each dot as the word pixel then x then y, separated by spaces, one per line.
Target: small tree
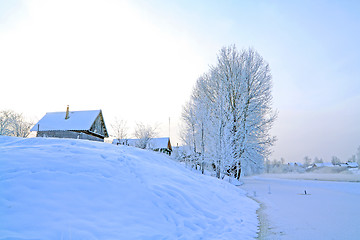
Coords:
pixel 335 160
pixel 267 165
pixel 352 159
pixel 144 133
pixel 358 156
pixel 120 128
pixel 318 160
pixel 307 161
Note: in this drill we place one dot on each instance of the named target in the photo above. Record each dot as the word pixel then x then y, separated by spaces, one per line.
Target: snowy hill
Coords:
pixel 77 189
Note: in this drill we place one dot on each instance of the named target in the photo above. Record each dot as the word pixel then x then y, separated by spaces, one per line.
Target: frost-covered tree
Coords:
pixel 352 158
pixel 120 128
pixel 230 114
pixel 144 133
pixel 358 156
pixel 318 160
pixel 6 119
pixel 188 133
pixel 14 124
pixel 21 127
pixel 201 123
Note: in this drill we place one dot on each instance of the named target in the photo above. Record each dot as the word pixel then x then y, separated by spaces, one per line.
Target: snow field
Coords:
pixel 78 189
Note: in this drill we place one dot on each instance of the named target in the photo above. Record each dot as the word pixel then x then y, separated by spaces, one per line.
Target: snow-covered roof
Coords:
pixel 78 120
pixel 156 143
pixel 325 164
pixel 353 164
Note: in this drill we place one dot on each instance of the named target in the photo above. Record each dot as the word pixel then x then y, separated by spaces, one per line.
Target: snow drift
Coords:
pixel 78 189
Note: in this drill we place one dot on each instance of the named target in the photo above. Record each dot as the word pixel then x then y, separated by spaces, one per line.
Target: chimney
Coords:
pixel 67 113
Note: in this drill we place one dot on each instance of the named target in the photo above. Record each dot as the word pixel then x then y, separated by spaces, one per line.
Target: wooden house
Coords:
pixel 161 145
pixel 72 124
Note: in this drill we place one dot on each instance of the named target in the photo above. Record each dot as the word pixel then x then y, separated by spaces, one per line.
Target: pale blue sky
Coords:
pixel 148 54
pixel 311 45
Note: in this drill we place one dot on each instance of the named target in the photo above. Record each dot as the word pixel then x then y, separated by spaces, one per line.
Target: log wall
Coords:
pixel 68 134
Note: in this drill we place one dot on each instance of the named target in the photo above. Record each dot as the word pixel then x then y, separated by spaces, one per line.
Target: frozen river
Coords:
pixel 328 210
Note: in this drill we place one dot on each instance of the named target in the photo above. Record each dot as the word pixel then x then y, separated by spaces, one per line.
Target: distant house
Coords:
pixel 161 145
pixel 156 144
pixel 325 164
pixel 295 164
pixel 349 165
pixel 72 124
pixel 353 165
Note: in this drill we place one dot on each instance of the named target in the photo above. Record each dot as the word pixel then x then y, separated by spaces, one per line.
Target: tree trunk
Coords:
pixel 218 170
pixel 238 170
pixel 202 148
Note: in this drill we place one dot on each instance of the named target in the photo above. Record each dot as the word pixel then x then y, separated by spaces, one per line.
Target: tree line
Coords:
pixel 227 120
pixel 281 166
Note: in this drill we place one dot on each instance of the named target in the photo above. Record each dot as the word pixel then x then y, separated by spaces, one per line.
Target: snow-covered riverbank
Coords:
pixel 328 210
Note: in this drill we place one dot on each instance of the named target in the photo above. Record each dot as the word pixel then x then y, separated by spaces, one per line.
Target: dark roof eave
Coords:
pixel 93 134
pixel 73 130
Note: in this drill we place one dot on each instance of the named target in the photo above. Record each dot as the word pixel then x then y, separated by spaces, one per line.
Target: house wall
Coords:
pixel 68 134
pixel 98 127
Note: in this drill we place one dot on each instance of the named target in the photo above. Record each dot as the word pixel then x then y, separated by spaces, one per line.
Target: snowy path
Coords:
pixel 330 210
